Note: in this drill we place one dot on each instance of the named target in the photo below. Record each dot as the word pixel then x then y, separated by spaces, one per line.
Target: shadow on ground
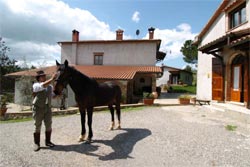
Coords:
pixel 122 145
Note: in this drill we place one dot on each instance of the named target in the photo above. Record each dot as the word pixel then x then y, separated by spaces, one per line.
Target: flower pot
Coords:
pixel 3 111
pixel 148 101
pixel 184 101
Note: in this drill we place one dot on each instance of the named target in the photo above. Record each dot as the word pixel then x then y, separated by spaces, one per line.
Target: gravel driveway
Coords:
pixel 152 136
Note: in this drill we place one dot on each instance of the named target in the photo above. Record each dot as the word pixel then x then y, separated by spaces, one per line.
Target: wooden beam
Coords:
pixel 217 56
pixel 216 46
pixel 248 89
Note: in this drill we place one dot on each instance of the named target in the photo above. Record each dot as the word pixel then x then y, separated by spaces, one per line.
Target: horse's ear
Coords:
pixel 66 63
pixel 57 63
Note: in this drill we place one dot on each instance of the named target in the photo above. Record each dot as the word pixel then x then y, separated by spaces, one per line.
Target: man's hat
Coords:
pixel 39 73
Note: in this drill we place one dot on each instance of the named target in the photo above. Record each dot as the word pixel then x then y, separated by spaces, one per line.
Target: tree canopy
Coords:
pixel 6 66
pixel 190 52
pixel 188 68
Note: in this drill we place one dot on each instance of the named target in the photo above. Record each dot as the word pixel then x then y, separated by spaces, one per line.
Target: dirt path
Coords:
pixel 153 136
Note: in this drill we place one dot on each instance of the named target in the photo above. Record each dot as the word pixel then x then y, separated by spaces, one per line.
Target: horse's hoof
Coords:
pixel 111 128
pixel 81 138
pixel 119 127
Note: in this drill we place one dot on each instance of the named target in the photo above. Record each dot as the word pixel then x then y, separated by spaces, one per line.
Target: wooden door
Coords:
pixel 217 80
pixel 236 88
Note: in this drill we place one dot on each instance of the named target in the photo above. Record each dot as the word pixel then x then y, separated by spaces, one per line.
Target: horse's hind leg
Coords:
pixel 83 133
pixel 118 113
pixel 90 116
pixel 111 108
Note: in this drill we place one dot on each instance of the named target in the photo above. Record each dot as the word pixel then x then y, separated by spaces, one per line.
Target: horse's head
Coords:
pixel 63 76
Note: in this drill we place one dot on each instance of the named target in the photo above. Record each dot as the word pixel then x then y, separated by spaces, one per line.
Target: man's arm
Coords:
pixel 47 82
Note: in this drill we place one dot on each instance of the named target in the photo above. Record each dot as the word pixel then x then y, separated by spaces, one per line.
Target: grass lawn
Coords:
pixel 183 89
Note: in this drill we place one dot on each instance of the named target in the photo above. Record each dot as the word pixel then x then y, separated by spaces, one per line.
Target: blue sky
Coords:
pixel 157 13
pixel 41 24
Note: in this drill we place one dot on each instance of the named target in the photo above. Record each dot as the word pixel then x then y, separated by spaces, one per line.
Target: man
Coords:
pixel 42 92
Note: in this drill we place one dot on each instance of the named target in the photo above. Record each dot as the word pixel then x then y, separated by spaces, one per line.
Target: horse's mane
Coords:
pixel 82 77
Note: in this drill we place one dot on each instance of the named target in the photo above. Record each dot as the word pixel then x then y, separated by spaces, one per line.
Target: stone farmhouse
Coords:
pixel 130 63
pixel 224 55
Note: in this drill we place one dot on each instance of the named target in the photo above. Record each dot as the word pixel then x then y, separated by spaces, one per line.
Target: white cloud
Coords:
pixel 32 28
pixel 136 17
pixel 184 27
pixel 194 66
pixel 173 39
pixel 38 54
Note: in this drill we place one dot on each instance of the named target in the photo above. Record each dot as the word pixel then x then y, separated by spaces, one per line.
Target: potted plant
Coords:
pixel 148 98
pixel 184 99
pixel 3 105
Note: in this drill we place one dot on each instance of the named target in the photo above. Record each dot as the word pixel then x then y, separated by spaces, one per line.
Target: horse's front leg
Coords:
pixel 90 115
pixel 83 133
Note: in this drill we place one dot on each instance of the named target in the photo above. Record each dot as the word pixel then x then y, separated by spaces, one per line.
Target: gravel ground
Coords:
pixel 153 136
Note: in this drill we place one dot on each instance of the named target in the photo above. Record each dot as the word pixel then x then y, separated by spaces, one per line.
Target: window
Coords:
pixel 238 16
pixel 236 77
pixel 98 58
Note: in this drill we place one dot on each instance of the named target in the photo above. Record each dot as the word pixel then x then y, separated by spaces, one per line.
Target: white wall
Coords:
pixel 217 30
pixel 204 70
pixel 66 51
pixel 23 91
pixel 22 99
pixel 141 53
pixel 204 79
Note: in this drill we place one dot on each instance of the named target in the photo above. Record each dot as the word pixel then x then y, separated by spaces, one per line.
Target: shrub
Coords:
pixel 3 101
pixel 147 95
pixel 185 96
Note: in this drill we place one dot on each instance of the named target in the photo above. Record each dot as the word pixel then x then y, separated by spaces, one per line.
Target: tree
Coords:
pixel 6 66
pixel 190 52
pixel 194 72
pixel 188 68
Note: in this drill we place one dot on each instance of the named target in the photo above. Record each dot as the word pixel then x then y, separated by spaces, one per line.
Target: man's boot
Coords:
pixel 47 139
pixel 36 141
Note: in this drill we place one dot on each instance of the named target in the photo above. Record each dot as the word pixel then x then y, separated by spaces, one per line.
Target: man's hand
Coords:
pixel 47 82
pixel 54 76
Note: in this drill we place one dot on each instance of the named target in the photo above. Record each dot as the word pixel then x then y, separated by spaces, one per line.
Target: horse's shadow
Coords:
pixel 122 145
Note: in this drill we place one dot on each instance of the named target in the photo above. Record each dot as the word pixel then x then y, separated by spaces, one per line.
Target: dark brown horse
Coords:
pixel 88 93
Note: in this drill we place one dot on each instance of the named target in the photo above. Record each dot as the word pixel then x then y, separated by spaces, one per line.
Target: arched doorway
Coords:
pixel 237 75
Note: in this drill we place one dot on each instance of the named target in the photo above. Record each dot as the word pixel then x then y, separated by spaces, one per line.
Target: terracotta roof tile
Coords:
pixel 242 39
pixel 233 4
pixel 244 33
pixel 98 72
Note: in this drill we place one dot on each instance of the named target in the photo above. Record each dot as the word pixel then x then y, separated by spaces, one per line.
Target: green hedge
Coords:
pixel 182 89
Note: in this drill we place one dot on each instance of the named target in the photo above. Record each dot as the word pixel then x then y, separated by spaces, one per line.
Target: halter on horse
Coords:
pixel 88 94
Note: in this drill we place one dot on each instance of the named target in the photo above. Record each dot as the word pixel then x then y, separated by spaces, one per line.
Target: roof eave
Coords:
pixel 213 18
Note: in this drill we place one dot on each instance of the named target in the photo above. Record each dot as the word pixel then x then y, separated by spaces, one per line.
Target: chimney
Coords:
pixel 75 36
pixel 119 34
pixel 151 32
